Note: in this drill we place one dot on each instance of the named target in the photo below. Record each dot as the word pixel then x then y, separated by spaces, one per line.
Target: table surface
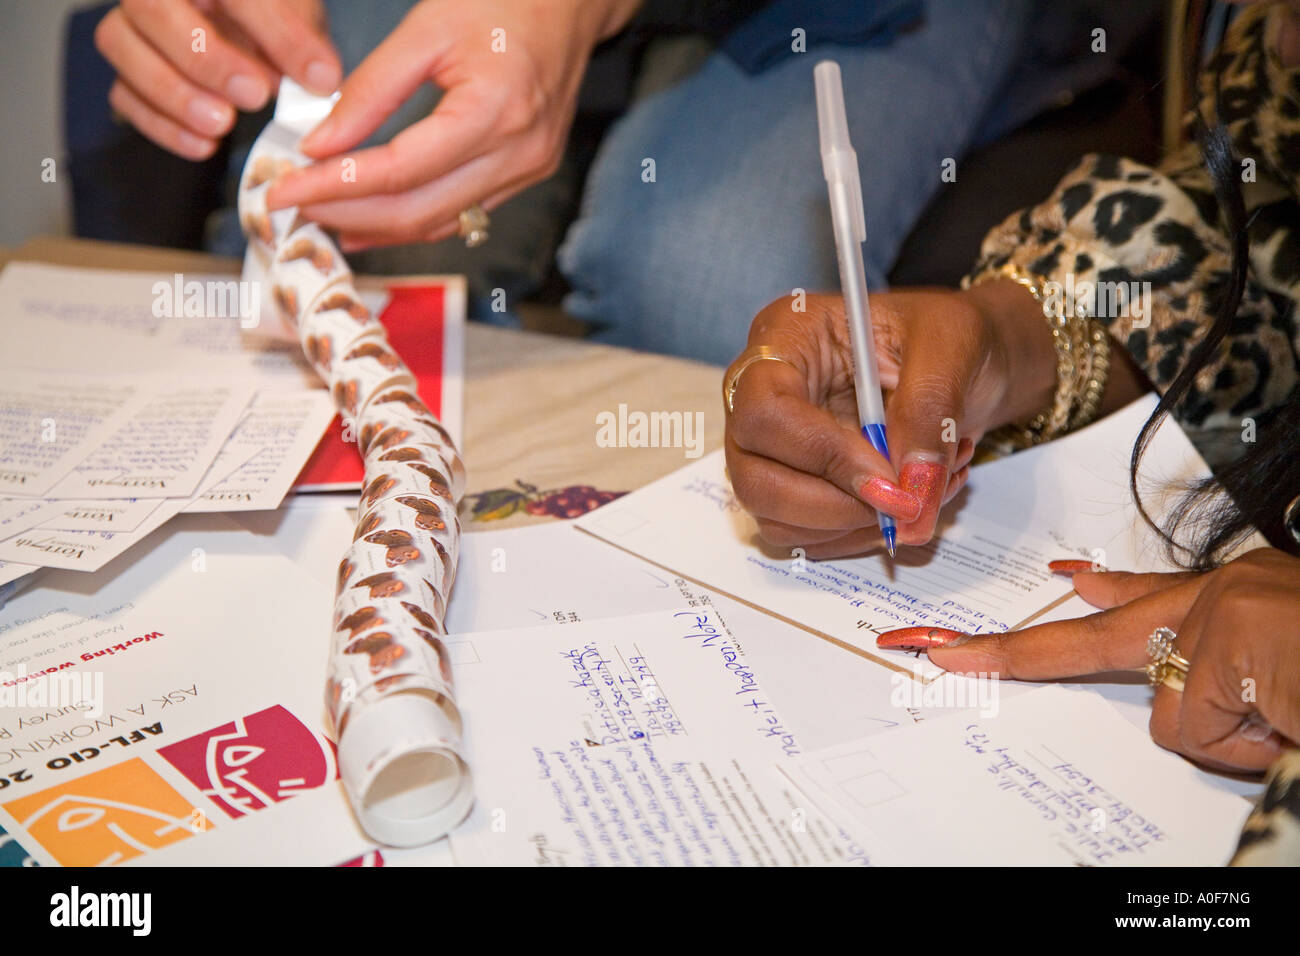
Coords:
pixel 531 400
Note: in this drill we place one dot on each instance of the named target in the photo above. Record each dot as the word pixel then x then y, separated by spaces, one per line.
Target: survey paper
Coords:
pixel 648 740
pixel 171 713
pixel 1054 777
pixel 35 544
pixel 274 438
pixel 82 550
pixel 49 422
pixel 16 516
pixel 165 448
pixel 19 514
pixel 91 319
pixel 106 514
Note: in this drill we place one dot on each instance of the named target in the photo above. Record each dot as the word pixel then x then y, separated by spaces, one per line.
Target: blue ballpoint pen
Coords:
pixel 840 164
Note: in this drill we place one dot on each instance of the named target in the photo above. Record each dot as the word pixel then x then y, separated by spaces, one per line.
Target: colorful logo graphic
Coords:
pixel 109 816
pixel 373 858
pixel 251 763
pixel 11 854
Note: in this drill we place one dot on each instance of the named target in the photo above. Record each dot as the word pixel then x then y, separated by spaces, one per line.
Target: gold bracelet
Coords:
pixel 1094 386
pixel 1082 349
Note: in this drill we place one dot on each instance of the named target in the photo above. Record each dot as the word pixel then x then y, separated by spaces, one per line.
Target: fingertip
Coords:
pixel 196 148
pixel 947 658
pixel 274 200
pixel 322 76
pixel 912 534
pixel 316 143
pixel 1090 575
pixel 248 91
pixel 1098 586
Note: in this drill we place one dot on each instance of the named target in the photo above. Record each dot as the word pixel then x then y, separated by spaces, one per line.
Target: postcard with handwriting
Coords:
pixel 1053 777
pixel 642 740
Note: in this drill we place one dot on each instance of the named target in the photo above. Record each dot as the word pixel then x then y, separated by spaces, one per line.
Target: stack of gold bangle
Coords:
pixel 1082 364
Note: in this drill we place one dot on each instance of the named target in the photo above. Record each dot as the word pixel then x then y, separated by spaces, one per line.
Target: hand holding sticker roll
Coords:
pixel 510 74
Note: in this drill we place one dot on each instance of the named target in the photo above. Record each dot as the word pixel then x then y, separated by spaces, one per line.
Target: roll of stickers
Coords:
pixel 390 692
pixel 334 324
pixel 304 266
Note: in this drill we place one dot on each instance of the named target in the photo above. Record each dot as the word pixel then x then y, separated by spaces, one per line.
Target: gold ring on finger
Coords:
pixel 1167 666
pixel 473 225
pixel 758 353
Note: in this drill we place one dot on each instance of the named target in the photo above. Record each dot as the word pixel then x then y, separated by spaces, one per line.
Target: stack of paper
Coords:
pixel 130 397
pixel 93 464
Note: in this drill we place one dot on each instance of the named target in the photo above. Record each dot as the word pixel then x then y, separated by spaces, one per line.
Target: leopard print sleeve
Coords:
pixel 1148 244
pixel 1271 836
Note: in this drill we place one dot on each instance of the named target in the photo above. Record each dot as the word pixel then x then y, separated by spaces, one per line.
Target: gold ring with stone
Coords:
pixel 473 226
pixel 1167 666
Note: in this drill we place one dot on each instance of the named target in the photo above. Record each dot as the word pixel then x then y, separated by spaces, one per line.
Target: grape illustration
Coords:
pixel 570 502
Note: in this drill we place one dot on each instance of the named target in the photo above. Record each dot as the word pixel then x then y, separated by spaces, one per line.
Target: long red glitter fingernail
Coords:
pixel 926 479
pixel 919 638
pixel 1069 567
pixel 892 500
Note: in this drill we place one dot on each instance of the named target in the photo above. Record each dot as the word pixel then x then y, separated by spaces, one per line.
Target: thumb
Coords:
pixel 924 415
pixel 292 36
pixel 375 89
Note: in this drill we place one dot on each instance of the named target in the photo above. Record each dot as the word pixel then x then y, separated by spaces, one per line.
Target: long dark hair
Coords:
pixel 1253 491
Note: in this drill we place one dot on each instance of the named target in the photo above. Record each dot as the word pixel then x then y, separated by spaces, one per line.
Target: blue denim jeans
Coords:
pixel 737 214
